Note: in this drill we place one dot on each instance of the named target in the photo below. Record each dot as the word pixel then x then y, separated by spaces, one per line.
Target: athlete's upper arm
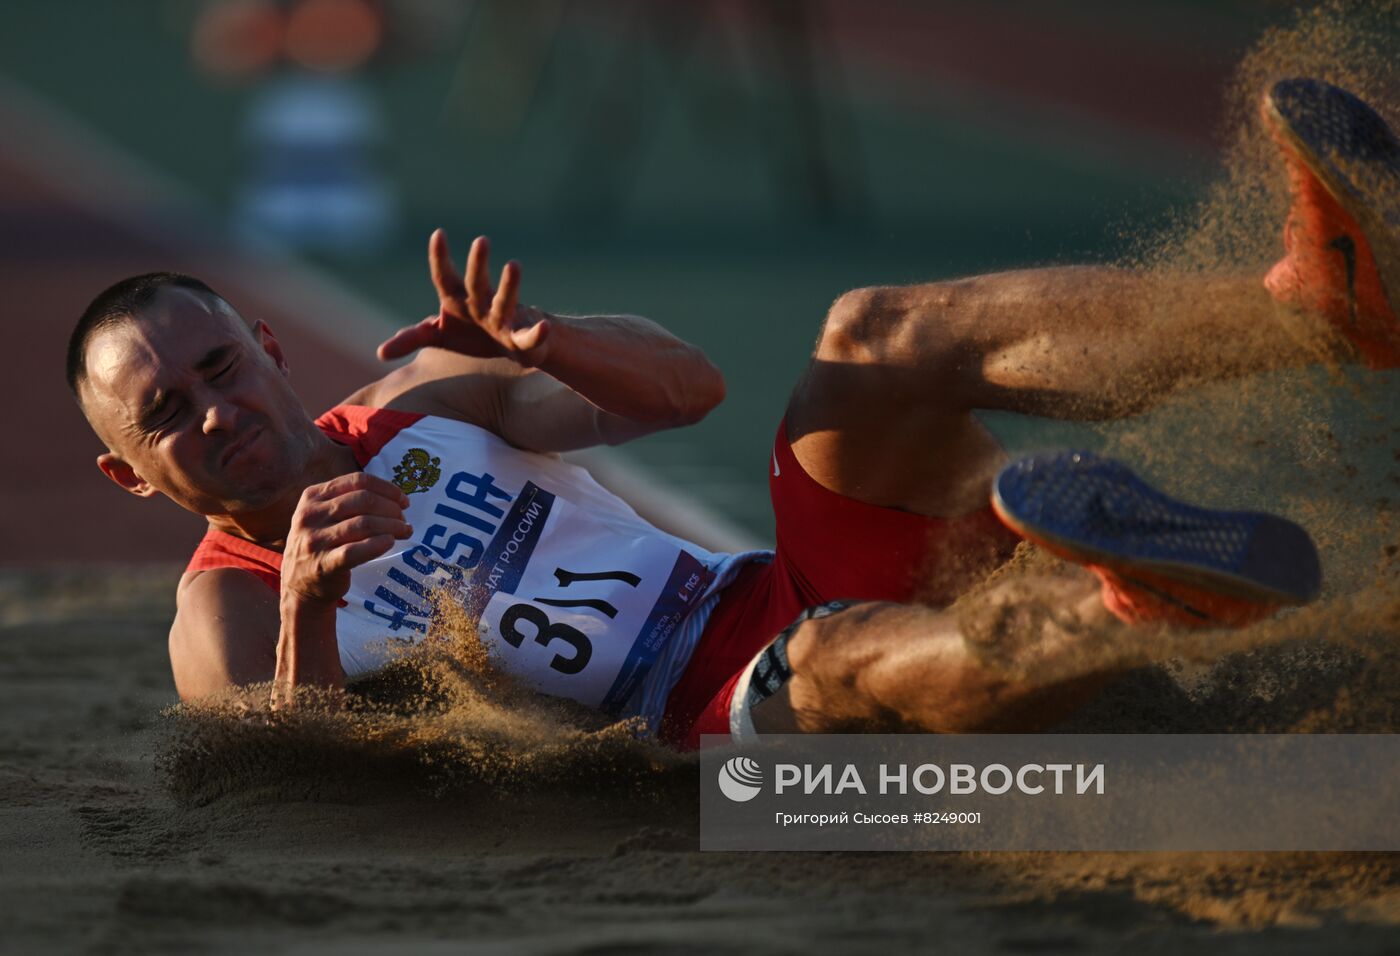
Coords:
pixel 225 633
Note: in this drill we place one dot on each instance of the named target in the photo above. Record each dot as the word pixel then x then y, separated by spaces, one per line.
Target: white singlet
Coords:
pixel 572 591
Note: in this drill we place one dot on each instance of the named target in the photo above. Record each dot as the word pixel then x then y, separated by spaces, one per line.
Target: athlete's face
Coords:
pixel 195 405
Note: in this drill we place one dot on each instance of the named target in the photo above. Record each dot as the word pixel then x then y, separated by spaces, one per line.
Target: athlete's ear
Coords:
pixel 269 344
pixel 111 465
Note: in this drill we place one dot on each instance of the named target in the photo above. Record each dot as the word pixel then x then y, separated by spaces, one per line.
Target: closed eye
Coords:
pixel 171 414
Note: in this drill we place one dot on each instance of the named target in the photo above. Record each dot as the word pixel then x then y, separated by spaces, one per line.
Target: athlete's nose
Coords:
pixel 219 416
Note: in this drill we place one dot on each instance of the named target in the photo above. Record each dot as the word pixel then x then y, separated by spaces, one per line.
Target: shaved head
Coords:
pixel 120 303
pixel 192 400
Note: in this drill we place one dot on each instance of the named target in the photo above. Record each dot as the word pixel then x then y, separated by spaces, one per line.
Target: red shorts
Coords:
pixel 830 548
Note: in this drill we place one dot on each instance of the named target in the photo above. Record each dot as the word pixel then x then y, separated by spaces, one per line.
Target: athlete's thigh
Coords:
pixel 833 546
pixel 889 436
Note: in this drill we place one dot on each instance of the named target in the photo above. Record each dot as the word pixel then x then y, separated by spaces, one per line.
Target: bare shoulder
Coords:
pixel 445 384
pixel 225 632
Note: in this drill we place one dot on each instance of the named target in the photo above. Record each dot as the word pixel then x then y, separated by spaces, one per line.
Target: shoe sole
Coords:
pixel 1096 511
pixel 1330 129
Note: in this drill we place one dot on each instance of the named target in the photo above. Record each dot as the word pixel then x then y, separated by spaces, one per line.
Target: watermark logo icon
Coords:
pixel 740 779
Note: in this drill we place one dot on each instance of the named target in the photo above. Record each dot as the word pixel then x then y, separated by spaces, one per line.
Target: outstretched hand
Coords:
pixel 473 319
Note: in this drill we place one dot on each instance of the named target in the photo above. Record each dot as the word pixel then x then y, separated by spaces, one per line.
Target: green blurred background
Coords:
pixel 725 168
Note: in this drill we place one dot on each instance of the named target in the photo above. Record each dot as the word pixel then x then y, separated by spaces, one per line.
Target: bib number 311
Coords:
pixel 547 631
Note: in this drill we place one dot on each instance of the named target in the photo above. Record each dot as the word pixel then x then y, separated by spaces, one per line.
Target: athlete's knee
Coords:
pixel 895 327
pixel 861 326
pixel 835 646
pixel 814 671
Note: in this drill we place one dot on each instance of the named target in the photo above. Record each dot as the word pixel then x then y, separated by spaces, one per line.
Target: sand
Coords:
pixel 106 851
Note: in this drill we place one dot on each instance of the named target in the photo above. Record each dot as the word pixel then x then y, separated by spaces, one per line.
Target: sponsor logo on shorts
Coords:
pixel 740 779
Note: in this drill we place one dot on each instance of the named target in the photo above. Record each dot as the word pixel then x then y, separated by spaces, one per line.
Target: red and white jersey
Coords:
pixel 573 591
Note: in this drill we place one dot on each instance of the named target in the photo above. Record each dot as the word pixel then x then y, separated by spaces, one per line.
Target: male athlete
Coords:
pixel 328 539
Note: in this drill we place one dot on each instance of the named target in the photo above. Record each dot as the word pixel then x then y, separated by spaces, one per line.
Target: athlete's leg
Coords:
pixel 894 667
pixel 1016 657
pixel 883 413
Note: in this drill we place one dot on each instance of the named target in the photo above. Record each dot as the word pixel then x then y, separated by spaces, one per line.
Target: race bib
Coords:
pixel 575 601
pixel 578 611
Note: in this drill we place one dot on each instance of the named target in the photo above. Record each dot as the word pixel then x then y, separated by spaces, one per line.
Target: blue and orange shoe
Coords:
pixel 1342 236
pixel 1159 559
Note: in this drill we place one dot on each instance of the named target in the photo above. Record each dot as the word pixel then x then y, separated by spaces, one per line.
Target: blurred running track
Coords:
pixel 73 219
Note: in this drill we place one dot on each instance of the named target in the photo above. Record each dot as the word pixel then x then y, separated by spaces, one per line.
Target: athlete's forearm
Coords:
pixel 307 651
pixel 631 367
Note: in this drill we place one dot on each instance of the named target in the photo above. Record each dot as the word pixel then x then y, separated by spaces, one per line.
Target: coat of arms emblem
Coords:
pixel 417 472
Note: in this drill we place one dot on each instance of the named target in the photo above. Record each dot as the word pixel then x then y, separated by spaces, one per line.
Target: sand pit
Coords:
pixel 359 842
pixel 447 808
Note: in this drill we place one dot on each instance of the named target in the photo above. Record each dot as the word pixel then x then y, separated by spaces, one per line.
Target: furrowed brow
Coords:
pixel 156 405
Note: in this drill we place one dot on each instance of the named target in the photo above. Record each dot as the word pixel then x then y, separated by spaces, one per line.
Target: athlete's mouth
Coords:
pixel 239 445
